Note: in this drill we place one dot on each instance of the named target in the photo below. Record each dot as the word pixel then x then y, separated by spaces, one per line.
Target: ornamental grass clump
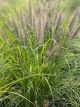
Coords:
pixel 40 58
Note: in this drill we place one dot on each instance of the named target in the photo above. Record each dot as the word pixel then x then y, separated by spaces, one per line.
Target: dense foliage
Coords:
pixel 39 56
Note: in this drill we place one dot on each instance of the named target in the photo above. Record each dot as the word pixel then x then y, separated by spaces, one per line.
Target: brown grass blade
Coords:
pixel 73 20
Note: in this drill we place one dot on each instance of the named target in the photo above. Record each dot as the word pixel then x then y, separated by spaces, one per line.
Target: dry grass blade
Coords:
pixel 73 20
pixel 58 22
pixel 31 13
pixel 40 31
pixel 42 21
pixel 46 103
pixel 58 33
pixel 16 29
